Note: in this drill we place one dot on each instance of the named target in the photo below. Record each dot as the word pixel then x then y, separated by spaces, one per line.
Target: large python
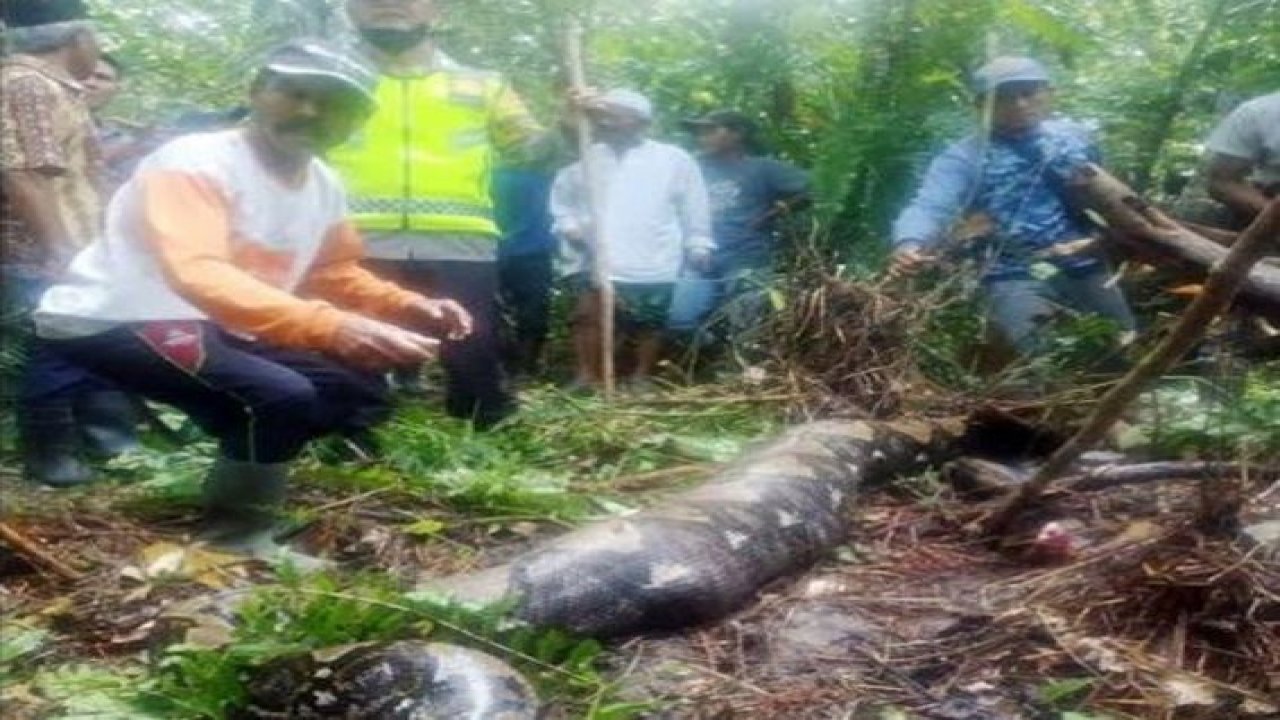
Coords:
pixel 692 559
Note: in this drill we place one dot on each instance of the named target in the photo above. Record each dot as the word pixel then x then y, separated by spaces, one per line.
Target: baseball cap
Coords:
pixel 628 100
pixel 731 119
pixel 318 58
pixel 1008 69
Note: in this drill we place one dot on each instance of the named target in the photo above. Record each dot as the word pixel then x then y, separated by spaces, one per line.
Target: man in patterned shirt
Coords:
pixel 1011 181
pixel 50 169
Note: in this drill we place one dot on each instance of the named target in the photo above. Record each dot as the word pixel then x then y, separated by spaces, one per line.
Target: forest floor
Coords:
pixel 914 618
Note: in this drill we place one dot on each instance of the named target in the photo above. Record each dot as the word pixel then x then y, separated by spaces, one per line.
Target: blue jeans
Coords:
pixel 1019 307
pixel 737 296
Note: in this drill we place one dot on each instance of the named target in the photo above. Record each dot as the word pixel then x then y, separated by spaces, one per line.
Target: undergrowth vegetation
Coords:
pixel 205 679
pixel 564 460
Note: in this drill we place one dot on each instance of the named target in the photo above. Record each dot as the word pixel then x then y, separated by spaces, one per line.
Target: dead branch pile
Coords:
pixel 853 343
pixel 1191 624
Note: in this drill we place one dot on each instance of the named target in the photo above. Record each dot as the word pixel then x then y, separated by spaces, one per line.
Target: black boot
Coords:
pixel 50 445
pixel 107 421
pixel 242 502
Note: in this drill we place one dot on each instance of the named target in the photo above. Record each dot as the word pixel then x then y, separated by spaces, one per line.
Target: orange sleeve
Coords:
pixel 186 222
pixel 336 276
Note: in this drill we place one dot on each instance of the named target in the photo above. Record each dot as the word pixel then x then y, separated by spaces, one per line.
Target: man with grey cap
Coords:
pixel 656 218
pixel 1008 184
pixel 228 284
pixel 1244 158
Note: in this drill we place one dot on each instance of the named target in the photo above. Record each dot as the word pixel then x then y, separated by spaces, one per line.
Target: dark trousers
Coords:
pixel 525 283
pixel 474 384
pixel 262 403
pixel 47 377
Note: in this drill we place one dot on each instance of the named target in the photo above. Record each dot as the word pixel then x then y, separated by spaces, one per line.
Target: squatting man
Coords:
pixel 228 284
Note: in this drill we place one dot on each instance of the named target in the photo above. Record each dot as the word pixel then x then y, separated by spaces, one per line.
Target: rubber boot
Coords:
pixel 242 503
pixel 50 445
pixel 108 423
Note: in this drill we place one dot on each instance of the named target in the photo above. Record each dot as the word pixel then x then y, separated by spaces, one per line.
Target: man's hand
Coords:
pixel 575 103
pixel 444 318
pixel 700 260
pixel 909 260
pixel 377 346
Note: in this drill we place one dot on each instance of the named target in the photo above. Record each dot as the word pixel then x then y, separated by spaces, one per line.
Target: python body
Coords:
pixel 692 559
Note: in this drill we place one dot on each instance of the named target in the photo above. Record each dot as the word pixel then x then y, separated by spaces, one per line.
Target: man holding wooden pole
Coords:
pixel 652 216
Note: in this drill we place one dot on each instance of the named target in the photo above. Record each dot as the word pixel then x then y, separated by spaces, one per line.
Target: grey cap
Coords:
pixel 319 58
pixel 629 100
pixel 1008 69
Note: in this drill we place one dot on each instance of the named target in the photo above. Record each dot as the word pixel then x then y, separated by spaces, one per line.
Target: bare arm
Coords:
pixel 32 199
pixel 1229 184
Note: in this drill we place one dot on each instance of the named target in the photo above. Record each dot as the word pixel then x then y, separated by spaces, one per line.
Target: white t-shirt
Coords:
pixel 655 209
pixel 1252 132
pixel 202 231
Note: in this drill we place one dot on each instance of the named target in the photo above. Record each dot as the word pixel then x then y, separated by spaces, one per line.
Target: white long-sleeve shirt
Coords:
pixel 655 210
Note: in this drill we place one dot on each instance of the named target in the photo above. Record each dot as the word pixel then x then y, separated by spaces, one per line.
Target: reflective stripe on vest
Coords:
pixel 422 162
pixel 417 206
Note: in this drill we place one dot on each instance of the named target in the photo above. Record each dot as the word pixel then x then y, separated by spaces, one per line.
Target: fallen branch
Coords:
pixel 1225 280
pixel 29 549
pixel 1142 230
pixel 1109 476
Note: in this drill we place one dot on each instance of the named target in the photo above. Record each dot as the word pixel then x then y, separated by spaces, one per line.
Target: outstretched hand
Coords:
pixel 442 318
pixel 909 260
pixel 378 346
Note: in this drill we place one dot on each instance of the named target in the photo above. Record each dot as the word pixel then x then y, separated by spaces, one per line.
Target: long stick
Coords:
pixel 600 276
pixel 28 548
pixel 1224 281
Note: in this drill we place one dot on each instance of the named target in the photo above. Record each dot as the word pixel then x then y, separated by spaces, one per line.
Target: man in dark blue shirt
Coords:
pixel 525 263
pixel 1011 181
pixel 748 194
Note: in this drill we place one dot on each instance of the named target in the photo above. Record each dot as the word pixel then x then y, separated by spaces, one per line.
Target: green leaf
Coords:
pixel 18 640
pixel 1057 692
pixel 426 527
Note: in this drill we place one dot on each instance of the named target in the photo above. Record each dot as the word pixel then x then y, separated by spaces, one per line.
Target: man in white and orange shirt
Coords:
pixel 228 284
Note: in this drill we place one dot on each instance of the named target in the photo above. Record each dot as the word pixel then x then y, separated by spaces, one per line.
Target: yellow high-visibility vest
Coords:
pixel 423 161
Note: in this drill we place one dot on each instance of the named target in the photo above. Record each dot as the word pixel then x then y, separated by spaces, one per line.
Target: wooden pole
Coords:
pixel 600 277
pixel 1225 280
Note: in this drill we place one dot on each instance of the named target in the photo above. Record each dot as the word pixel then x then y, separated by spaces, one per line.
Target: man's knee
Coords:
pixel 289 397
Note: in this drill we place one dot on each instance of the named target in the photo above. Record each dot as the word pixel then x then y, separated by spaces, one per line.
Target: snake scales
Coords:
pixel 692 559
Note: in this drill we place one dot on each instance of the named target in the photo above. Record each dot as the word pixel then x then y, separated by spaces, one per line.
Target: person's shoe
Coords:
pixel 108 423
pixel 50 445
pixel 242 502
